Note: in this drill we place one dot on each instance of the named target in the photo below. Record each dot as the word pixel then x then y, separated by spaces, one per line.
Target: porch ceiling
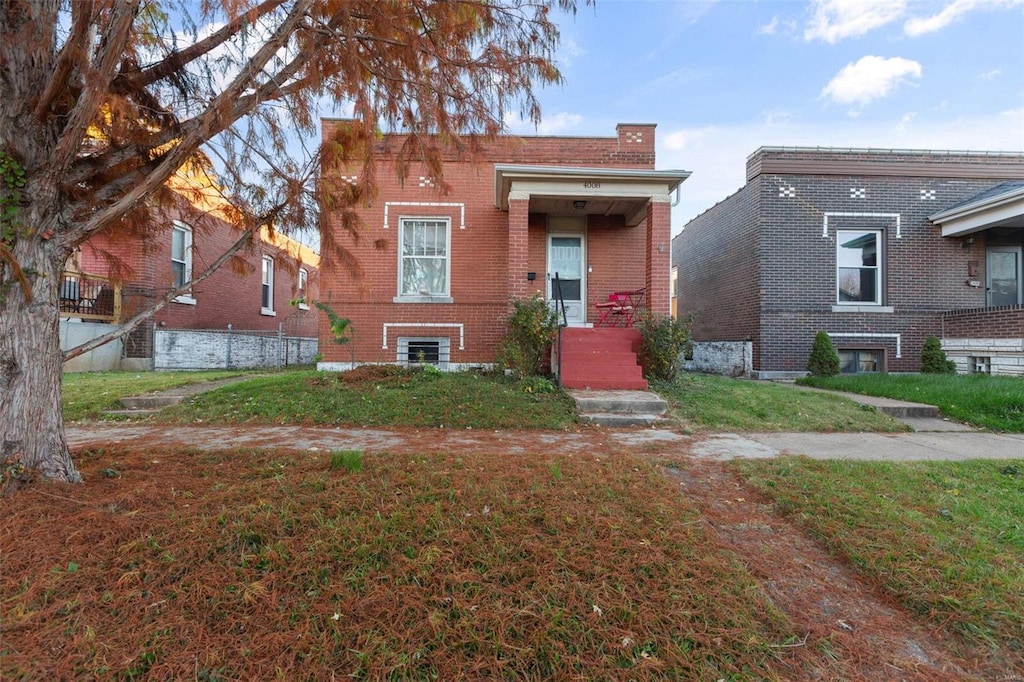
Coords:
pixel 605 191
pixel 1001 206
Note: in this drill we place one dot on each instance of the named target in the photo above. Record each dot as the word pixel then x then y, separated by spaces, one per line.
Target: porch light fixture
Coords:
pixel 579 205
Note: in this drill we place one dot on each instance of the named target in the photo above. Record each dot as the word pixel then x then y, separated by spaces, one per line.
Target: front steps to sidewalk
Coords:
pixel 619 407
pixel 144 405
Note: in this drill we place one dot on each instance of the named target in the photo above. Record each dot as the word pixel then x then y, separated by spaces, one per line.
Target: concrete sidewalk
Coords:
pixel 609 441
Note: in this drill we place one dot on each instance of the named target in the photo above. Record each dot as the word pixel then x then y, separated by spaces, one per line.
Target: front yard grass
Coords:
pixel 983 401
pixel 269 564
pixel 946 539
pixel 713 403
pixel 86 395
pixel 382 396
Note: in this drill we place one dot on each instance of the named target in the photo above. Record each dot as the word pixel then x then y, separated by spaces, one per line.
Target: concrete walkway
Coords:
pixel 655 441
pixel 918 416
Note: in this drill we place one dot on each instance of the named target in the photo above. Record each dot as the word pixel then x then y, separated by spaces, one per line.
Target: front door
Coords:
pixel 1003 275
pixel 566 260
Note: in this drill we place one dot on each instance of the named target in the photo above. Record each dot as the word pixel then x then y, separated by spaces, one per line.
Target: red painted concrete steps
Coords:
pixel 600 358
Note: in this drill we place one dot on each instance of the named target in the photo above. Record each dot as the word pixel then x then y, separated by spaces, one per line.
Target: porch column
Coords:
pixel 659 254
pixel 518 243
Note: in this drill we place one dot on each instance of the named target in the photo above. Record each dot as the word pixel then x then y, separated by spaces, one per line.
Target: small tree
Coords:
pixel 664 341
pixel 531 330
pixel 933 358
pixel 824 361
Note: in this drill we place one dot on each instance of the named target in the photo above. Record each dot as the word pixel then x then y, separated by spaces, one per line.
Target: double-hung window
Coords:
pixel 181 258
pixel 859 267
pixel 267 291
pixel 302 294
pixel 423 263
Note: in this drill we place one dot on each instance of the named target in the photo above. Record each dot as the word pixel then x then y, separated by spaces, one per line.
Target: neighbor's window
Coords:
pixel 981 365
pixel 268 285
pixel 859 266
pixel 302 295
pixel 423 264
pixel 181 254
pixel 859 361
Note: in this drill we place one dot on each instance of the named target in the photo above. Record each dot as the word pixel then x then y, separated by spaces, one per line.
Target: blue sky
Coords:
pixel 722 78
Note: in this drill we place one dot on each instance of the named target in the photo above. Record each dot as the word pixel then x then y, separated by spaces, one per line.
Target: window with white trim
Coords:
pixel 267 289
pixel 302 294
pixel 423 263
pixel 181 254
pixel 859 267
pixel 181 259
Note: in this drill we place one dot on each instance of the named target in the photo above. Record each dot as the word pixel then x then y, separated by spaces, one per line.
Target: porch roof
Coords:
pixel 604 191
pixel 1000 206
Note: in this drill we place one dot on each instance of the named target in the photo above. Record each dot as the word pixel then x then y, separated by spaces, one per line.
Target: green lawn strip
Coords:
pixel 415 398
pixel 714 403
pixel 989 402
pixel 944 538
pixel 263 564
pixel 86 395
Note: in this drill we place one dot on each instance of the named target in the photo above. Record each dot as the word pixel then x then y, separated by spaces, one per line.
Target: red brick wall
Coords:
pixel 481 280
pixel 1006 322
pixel 229 296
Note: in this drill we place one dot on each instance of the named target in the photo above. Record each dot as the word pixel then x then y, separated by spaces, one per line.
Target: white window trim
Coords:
pixel 179 226
pixel 303 290
pixel 265 310
pixel 878 305
pixel 433 297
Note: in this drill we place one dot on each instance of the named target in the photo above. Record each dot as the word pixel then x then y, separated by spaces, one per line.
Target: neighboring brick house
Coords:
pixel 254 293
pixel 439 269
pixel 879 248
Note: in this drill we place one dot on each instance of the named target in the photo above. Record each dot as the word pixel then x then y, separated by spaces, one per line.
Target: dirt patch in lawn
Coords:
pixel 862 630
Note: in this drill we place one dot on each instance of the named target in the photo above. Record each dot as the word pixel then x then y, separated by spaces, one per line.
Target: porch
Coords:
pixel 595 243
pixel 89 298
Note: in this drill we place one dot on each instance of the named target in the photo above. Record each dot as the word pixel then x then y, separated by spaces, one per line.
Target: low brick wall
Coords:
pixel 217 349
pixel 730 358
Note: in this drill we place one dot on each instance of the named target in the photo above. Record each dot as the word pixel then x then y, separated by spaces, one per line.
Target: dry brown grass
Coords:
pixel 174 564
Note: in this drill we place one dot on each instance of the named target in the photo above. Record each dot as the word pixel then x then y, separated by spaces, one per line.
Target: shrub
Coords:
pixel 933 358
pixel 665 339
pixel 824 361
pixel 531 330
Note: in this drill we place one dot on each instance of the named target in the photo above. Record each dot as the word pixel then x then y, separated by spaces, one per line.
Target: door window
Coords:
pixel 1004 281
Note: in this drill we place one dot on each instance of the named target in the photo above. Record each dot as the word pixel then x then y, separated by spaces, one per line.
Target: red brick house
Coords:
pixel 439 269
pixel 879 248
pixel 112 277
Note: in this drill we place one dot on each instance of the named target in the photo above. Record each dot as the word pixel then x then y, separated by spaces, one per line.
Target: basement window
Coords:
pixel 858 361
pixel 419 351
pixel 981 365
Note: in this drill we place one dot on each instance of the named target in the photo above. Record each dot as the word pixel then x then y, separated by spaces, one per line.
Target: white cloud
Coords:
pixel 834 20
pixel 990 75
pixel 768 29
pixel 717 155
pixel 559 123
pixel 916 26
pixel 870 78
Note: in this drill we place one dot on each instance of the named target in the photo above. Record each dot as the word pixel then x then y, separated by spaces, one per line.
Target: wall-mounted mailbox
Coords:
pixel 531 276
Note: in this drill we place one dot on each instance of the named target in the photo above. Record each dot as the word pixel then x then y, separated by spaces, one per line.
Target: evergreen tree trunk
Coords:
pixel 31 421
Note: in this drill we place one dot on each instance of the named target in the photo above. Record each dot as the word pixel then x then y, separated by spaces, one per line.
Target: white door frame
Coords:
pixel 1016 250
pixel 576 311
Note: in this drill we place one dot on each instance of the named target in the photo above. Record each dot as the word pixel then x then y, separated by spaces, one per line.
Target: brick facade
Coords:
pixel 494 254
pixel 761 265
pixel 231 295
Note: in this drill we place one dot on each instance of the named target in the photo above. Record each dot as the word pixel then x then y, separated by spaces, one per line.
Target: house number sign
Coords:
pixel 591 185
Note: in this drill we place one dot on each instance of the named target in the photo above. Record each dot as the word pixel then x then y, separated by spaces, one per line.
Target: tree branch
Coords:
pixel 72 52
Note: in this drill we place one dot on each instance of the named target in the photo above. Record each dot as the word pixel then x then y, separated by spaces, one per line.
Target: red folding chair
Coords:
pixel 617 311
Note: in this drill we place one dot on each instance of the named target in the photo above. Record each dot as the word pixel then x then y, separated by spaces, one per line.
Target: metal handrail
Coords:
pixel 556 286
